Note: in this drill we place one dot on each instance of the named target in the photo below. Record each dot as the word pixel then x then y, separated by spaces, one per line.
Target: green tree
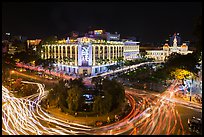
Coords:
pixel 7 63
pixel 181 74
pixel 120 61
pixel 74 97
pixel 58 96
pixel 187 62
pixel 113 68
pixel 67 60
pixel 97 81
pixel 129 63
pixel 107 101
pixel 116 90
pixel 98 105
pixel 99 61
pixel 77 82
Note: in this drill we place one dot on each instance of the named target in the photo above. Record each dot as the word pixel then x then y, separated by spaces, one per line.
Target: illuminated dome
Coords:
pixel 166 46
pixel 184 45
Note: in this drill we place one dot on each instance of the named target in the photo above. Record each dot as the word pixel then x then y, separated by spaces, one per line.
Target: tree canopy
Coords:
pixel 73 98
pixel 181 74
pixel 187 62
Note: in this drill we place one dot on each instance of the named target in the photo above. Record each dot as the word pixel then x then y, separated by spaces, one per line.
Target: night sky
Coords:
pixel 147 21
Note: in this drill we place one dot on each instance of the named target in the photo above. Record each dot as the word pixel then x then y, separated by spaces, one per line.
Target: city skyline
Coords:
pixel 128 19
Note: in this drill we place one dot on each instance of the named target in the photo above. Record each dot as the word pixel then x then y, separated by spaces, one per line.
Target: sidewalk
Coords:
pixel 32 76
pixel 188 101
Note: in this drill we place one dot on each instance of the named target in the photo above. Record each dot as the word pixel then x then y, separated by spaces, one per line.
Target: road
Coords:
pixel 25 116
pixel 43 80
pixel 124 69
pixel 168 116
pixel 149 113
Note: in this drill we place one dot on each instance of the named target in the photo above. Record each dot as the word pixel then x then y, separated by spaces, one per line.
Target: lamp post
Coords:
pixel 11 72
pixel 190 90
pixel 191 84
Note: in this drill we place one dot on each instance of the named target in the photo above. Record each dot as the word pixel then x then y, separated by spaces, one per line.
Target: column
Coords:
pixel 121 51
pixel 113 55
pixel 51 54
pixel 70 51
pixel 94 56
pixel 115 51
pixel 109 53
pixel 58 53
pixel 42 53
pixel 103 51
pixel 62 52
pixel 99 51
pixel 90 55
pixel 55 51
pixel 48 51
pixel 66 50
pixel 76 55
pixel 45 51
pixel 118 51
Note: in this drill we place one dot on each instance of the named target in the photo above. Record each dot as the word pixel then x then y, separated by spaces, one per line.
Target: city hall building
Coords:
pixel 160 55
pixel 90 55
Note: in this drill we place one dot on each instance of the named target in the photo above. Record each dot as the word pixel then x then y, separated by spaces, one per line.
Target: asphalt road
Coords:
pixel 167 116
pixel 186 113
pixel 161 115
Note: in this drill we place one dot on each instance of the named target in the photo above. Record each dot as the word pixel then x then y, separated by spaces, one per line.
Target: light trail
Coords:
pixel 166 118
pixel 25 116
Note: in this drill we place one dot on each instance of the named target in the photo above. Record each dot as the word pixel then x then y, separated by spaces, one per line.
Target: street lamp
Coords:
pixel 191 84
pixel 11 72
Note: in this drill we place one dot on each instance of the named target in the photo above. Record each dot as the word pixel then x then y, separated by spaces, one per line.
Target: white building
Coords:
pixel 131 50
pixel 88 56
pixel 160 55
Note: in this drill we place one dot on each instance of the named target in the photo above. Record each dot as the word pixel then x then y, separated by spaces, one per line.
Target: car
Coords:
pixel 195 125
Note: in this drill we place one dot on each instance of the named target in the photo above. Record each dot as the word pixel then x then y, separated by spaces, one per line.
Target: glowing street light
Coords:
pixel 12 71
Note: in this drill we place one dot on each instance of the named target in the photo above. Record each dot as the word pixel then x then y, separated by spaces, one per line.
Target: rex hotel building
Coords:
pixel 91 54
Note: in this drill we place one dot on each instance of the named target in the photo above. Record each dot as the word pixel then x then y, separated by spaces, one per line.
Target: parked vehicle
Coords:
pixel 195 125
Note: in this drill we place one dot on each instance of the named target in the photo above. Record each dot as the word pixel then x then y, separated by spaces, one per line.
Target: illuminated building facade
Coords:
pixel 160 55
pixel 88 56
pixel 131 50
pixel 33 43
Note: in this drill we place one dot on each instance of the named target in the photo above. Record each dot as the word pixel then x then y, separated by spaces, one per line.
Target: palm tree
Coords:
pixel 120 60
pixel 71 60
pixel 66 60
pixel 128 63
pixel 113 67
pixel 99 61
